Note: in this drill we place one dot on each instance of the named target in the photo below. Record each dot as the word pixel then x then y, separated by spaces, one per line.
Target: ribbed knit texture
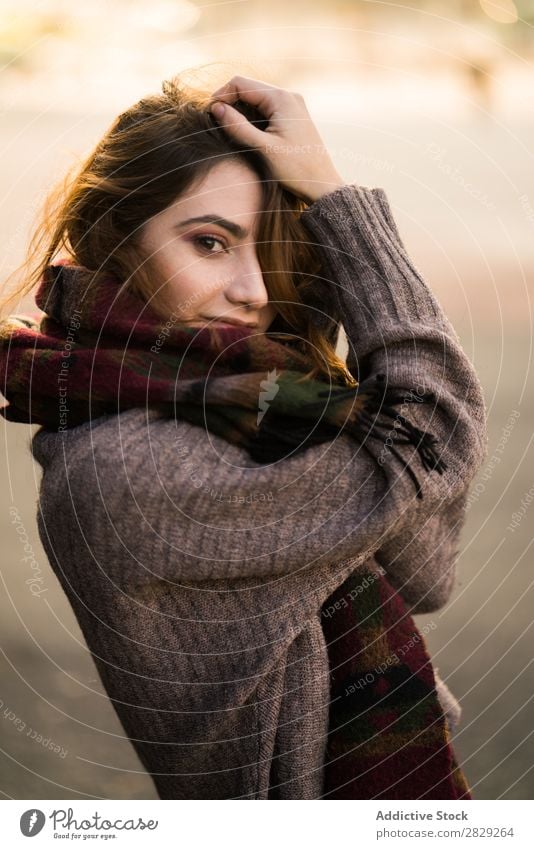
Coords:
pixel 198 580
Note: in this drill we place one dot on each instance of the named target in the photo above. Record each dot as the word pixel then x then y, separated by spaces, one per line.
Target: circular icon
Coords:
pixel 31 822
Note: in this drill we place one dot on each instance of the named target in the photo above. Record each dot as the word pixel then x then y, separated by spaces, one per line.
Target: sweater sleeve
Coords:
pixel 390 319
pixel 189 506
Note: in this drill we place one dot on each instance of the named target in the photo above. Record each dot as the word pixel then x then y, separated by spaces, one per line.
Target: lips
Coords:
pixel 231 321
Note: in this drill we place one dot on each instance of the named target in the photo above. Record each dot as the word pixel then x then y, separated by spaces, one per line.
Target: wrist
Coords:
pixel 314 191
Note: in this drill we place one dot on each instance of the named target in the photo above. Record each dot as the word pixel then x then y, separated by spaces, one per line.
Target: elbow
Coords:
pixel 468 404
pixel 452 407
pixel 463 432
pixel 468 451
pixel 477 426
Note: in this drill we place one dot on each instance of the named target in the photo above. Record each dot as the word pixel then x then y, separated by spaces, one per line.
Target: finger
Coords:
pixel 239 127
pixel 256 92
pixel 238 84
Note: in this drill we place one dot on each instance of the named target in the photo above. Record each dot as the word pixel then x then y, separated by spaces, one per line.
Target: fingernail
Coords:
pixel 217 109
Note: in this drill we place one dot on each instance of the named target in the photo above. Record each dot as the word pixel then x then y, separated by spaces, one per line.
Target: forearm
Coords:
pixel 185 513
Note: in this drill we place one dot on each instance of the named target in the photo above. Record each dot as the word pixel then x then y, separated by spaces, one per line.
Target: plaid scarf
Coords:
pixel 99 348
pixel 388 736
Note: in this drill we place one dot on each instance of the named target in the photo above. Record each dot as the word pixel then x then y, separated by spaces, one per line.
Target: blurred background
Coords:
pixel 432 101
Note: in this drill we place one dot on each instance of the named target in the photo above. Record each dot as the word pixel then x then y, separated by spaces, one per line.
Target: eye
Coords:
pixel 202 240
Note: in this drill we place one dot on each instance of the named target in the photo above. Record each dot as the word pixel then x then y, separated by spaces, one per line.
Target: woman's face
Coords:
pixel 209 268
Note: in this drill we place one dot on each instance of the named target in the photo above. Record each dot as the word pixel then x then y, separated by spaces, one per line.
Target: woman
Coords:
pixel 238 517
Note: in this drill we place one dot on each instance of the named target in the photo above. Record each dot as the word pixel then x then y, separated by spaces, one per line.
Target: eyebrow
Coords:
pixel 238 231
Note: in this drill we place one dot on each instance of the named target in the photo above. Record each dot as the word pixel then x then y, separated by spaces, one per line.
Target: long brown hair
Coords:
pixel 152 153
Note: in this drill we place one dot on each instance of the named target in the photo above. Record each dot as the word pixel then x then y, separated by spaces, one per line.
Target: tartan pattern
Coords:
pixel 121 354
pixel 388 737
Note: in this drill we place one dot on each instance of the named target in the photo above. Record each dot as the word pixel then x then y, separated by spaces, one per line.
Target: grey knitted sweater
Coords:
pixel 198 577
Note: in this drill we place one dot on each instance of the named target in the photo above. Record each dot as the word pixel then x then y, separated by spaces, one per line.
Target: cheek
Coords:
pixel 178 269
pixel 191 285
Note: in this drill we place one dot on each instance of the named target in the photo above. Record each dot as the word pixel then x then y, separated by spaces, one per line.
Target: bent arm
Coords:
pixel 393 321
pixel 194 507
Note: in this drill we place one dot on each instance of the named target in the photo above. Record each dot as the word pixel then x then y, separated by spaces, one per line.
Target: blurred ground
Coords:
pixel 463 196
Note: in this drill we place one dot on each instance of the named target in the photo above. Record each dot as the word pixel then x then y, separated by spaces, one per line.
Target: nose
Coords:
pixel 247 286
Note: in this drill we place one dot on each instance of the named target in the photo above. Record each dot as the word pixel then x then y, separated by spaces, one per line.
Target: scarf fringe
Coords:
pixel 381 400
pixel 295 420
